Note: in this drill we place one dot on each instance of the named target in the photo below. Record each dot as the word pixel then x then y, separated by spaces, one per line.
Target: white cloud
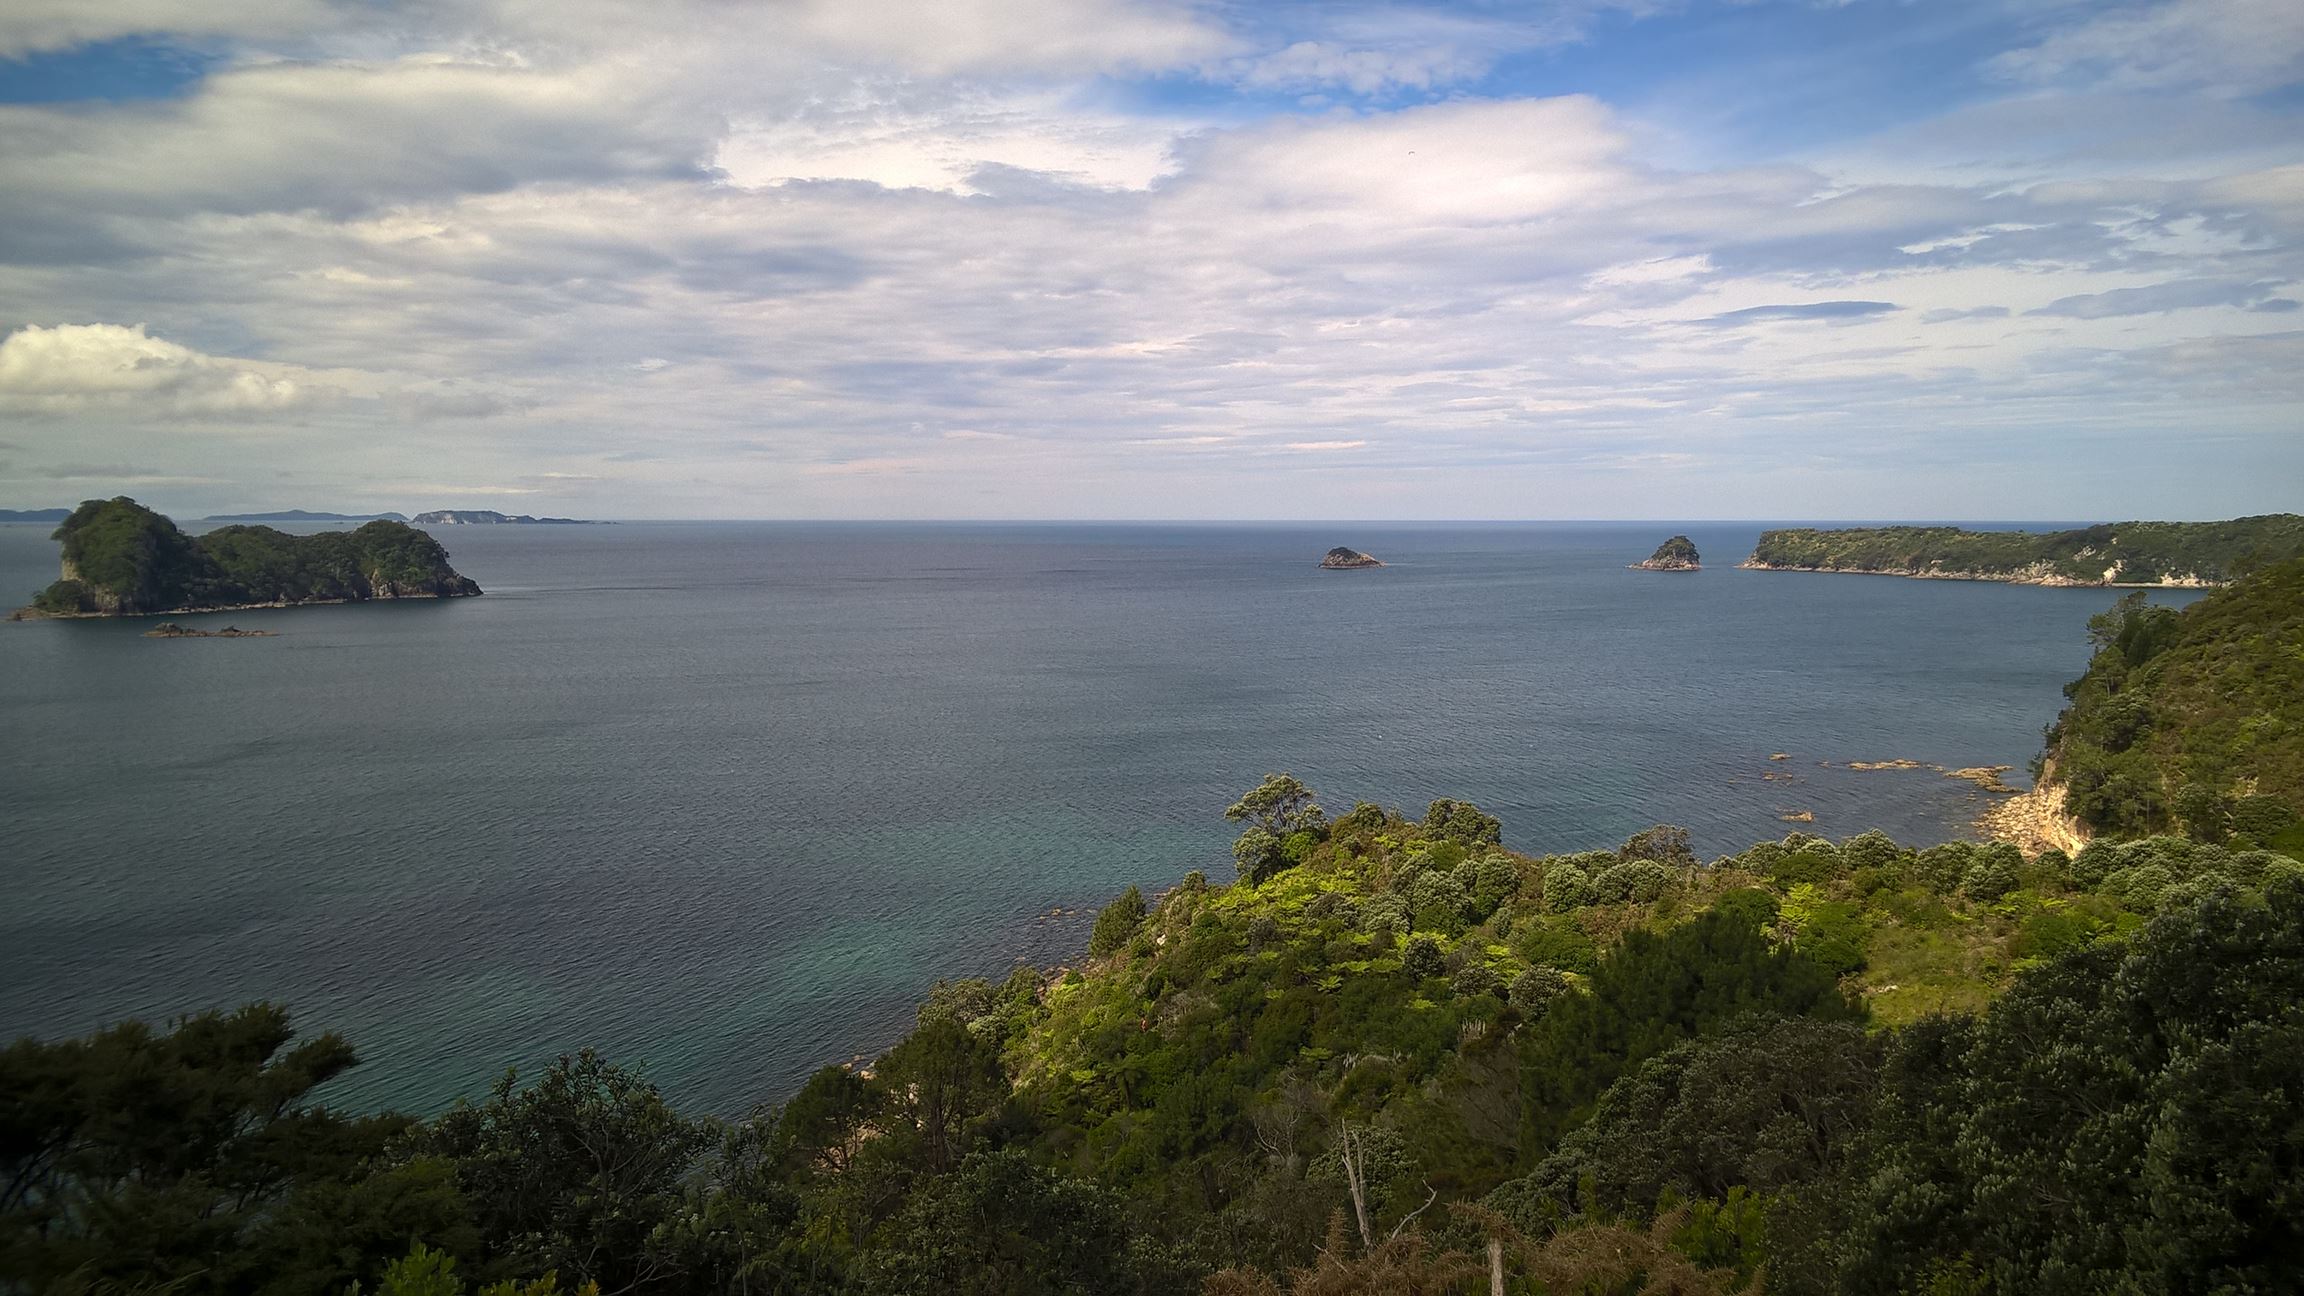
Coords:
pixel 2219 47
pixel 943 272
pixel 1310 64
pixel 72 367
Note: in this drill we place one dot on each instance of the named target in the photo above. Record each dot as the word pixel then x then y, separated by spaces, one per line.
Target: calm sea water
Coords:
pixel 723 799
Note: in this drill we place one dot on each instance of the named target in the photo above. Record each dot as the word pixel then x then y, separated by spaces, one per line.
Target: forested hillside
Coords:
pixel 2119 553
pixel 2192 720
pixel 1392 1056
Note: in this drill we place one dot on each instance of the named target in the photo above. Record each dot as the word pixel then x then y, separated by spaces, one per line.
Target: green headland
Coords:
pixel 2119 553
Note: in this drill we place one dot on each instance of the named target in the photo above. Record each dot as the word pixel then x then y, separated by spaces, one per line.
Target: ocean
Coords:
pixel 724 799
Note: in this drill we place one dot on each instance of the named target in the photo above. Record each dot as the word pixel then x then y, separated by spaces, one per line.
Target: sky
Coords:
pixel 1155 259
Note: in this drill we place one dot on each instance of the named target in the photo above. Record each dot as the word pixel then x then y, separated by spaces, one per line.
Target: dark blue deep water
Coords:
pixel 724 799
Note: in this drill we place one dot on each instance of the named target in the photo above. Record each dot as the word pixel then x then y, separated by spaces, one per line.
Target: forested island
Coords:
pixel 1391 1056
pixel 122 559
pixel 2112 554
pixel 1676 554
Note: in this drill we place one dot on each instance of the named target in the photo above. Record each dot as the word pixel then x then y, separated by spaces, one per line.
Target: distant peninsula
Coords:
pixel 1343 559
pixel 2128 554
pixel 1675 554
pixel 490 517
pixel 303 515
pixel 122 559
pixel 50 516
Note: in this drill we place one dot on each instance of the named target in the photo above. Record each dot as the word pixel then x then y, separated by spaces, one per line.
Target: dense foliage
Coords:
pixel 123 558
pixel 2133 553
pixel 2192 719
pixel 1381 1051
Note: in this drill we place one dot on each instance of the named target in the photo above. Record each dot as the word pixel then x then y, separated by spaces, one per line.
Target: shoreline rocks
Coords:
pixel 171 630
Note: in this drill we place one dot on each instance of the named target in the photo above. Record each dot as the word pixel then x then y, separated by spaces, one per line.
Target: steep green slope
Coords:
pixel 2123 553
pixel 2192 719
pixel 122 559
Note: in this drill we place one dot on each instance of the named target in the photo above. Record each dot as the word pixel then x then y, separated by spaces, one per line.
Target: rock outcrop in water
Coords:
pixel 1675 554
pixel 1341 559
pixel 122 559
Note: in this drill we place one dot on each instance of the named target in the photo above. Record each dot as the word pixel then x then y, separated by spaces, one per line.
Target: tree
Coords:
pixel 195 1158
pixel 1652 992
pixel 2128 1118
pixel 999 1225
pixel 1280 805
pixel 1667 844
pixel 576 1173
pixel 1116 925
pixel 1462 822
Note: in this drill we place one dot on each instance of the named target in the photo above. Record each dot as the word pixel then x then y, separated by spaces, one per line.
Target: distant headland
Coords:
pixel 490 517
pixel 305 515
pixel 50 516
pixel 1341 559
pixel 2125 554
pixel 122 559
pixel 1675 554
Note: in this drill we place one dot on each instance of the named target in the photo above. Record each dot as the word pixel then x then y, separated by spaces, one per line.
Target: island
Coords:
pixel 1674 555
pixel 1343 559
pixel 490 517
pixel 305 515
pixel 2125 554
pixel 171 630
pixel 34 515
pixel 123 559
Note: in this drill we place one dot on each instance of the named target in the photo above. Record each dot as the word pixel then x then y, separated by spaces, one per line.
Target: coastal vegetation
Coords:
pixel 122 559
pixel 1389 1055
pixel 2191 720
pixel 2123 553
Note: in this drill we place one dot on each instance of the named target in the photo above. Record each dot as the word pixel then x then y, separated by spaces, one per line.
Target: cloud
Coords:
pixel 1823 310
pixel 78 366
pixel 812 260
pixel 2177 294
pixel 2219 47
pixel 1310 64
pixel 32 26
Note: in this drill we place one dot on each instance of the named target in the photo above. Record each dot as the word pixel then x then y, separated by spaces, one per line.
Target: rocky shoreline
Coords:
pixel 2034 821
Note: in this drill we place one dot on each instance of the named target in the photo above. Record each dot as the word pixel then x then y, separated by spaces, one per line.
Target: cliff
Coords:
pixel 1675 554
pixel 122 559
pixel 2141 554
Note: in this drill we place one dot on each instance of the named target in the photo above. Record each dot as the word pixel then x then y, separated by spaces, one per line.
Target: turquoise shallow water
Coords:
pixel 725 798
